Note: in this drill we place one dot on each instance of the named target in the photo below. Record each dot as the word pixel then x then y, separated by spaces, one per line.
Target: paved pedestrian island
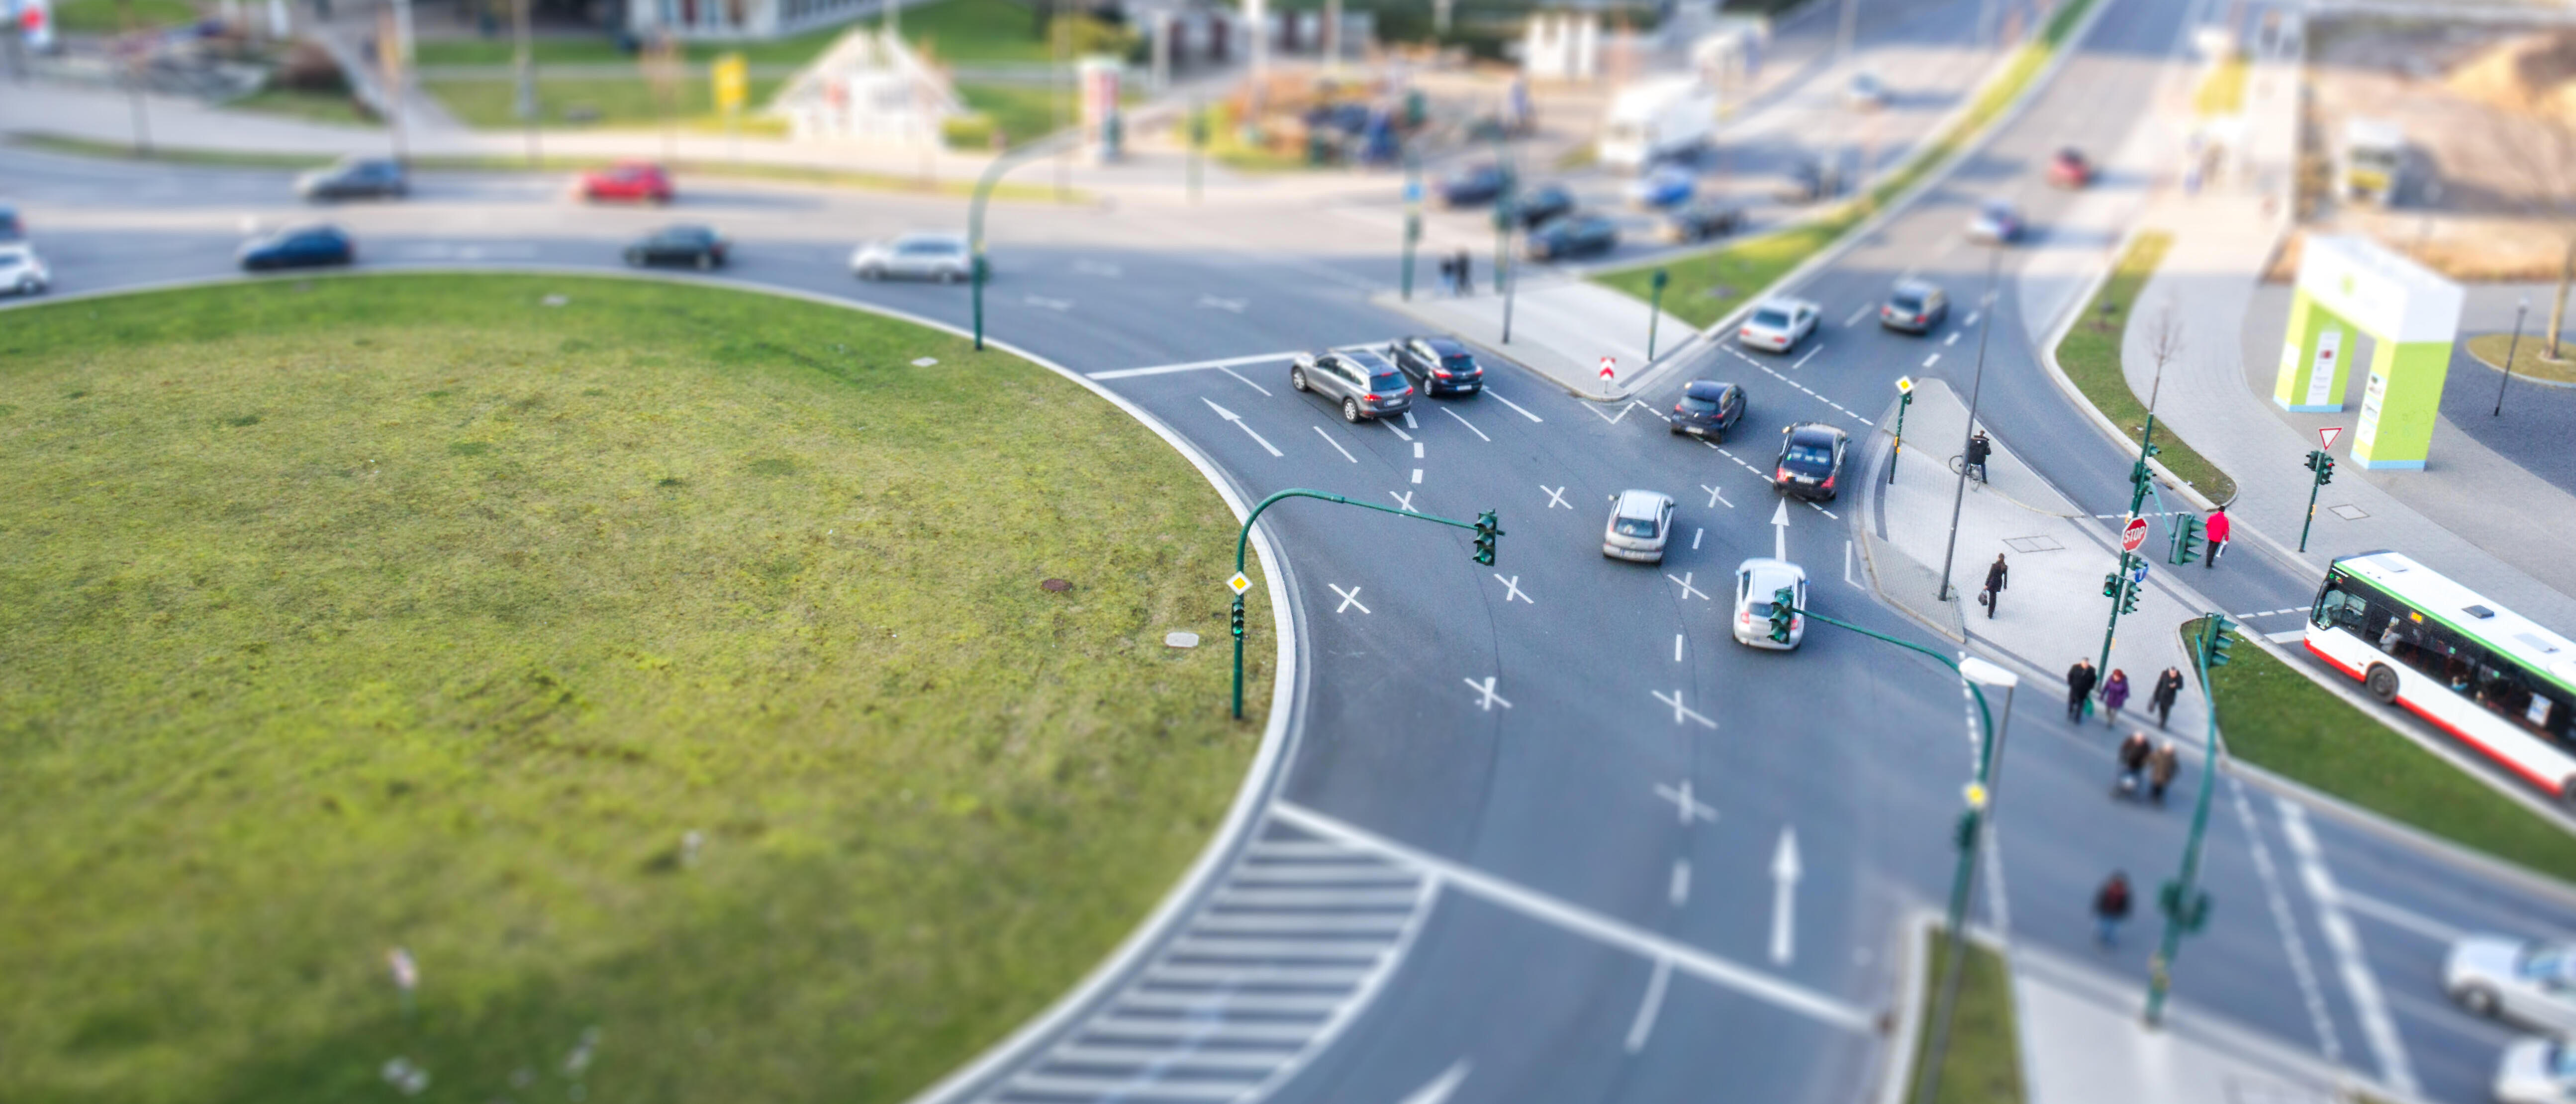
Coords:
pixel 2083 1041
pixel 1561 328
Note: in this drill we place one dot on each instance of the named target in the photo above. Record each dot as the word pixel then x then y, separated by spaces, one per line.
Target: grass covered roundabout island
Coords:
pixel 663 669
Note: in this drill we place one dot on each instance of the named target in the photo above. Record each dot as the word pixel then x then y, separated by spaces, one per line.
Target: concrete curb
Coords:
pixel 1920 925
pixel 1951 622
pixel 1278 739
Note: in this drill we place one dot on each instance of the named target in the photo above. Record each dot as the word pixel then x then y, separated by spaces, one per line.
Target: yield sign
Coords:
pixel 1607 369
pixel 2133 534
pixel 2326 435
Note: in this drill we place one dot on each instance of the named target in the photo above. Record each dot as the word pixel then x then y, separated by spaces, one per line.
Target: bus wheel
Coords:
pixel 2381 682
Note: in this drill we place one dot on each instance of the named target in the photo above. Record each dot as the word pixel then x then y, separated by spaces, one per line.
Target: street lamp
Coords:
pixel 2185 907
pixel 2509 350
pixel 1981 675
pixel 1959 497
pixel 976 269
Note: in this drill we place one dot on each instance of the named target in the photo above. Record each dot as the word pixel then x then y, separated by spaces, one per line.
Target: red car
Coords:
pixel 638 181
pixel 2069 169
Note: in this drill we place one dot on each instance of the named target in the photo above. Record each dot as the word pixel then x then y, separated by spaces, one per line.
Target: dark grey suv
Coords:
pixel 1363 383
pixel 1438 364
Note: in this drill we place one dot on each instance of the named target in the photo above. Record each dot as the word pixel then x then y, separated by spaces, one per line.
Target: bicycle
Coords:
pixel 1959 462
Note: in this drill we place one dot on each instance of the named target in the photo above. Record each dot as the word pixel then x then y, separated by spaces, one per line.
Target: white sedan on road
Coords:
pixel 21 271
pixel 2531 984
pixel 1777 325
pixel 925 256
pixel 1640 523
pixel 1757 581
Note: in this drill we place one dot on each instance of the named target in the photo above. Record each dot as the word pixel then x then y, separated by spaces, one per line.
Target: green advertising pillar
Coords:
pixel 2352 287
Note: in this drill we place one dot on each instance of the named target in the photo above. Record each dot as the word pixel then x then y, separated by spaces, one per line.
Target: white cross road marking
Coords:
pixel 1471 426
pixel 1235 305
pixel 1932 360
pixel 1687 589
pixel 1690 808
pixel 1350 598
pixel 1404 499
pixel 1681 714
pixel 1713 497
pixel 1265 392
pixel 1512 589
pixel 1391 428
pixel 1555 496
pixel 1337 445
pixel 1050 304
pixel 1516 406
pixel 1486 688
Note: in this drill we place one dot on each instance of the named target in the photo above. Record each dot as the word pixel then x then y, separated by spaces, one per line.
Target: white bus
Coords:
pixel 2491 678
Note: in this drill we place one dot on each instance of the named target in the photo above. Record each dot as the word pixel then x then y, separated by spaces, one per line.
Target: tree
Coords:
pixel 2163 342
pixel 2542 151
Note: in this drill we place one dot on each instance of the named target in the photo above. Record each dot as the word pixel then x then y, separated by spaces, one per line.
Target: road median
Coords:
pixel 2089 355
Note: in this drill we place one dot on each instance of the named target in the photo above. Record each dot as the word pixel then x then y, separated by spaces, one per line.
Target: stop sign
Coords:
pixel 2133 534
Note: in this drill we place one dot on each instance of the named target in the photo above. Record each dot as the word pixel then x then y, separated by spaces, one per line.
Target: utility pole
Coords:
pixel 2509 351
pixel 2164 342
pixel 1506 213
pixel 524 63
pixel 1959 497
pixel 1412 214
pixel 138 69
pixel 2184 905
pixel 2320 473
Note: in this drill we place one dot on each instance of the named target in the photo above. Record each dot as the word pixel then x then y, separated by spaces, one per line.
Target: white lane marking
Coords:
pixel 1050 304
pixel 1784 897
pixel 1235 305
pixel 1826 512
pixel 1265 392
pixel 2362 986
pixel 1350 598
pixel 1680 889
pixel 1932 360
pixel 1677 647
pixel 1689 808
pixel 1337 445
pixel 1680 714
pixel 1417 450
pixel 1405 500
pixel 1713 497
pixel 1593 925
pixel 1192 366
pixel 2408 919
pixel 1596 412
pixel 1489 392
pixel 1409 423
pixel 1237 419
pixel 1696 534
pixel 1512 589
pixel 1687 589
pixel 1391 428
pixel 1775 374
pixel 1471 426
pixel 1486 688
pixel 1971 320
pixel 1780 531
pixel 1417 475
pixel 1954 338
pixel 2329 1041
pixel 1556 496
pixel 1847 567
pixel 1440 1088
pixel 1096 268
pixel 1801 362
pixel 1857 315
pixel 1644 1025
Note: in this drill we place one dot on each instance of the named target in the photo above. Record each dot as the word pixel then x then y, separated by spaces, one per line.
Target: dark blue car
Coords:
pixel 1577 235
pixel 1470 187
pixel 299 247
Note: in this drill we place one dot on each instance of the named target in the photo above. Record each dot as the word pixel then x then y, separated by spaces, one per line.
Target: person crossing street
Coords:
pixel 2115 694
pixel 2079 688
pixel 2217 527
pixel 2160 770
pixel 2110 906
pixel 1994 592
pixel 2168 687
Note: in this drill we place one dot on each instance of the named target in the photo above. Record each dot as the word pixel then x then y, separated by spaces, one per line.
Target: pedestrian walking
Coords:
pixel 2110 906
pixel 2160 771
pixel 1449 272
pixel 2134 753
pixel 1978 449
pixel 2115 694
pixel 2217 527
pixel 1466 273
pixel 2079 689
pixel 1994 591
pixel 2168 687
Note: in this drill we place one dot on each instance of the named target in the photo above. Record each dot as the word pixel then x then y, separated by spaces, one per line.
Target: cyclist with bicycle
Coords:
pixel 1978 449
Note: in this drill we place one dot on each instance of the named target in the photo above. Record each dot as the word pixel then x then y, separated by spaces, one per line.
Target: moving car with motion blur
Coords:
pixel 1664 186
pixel 355 178
pixel 1777 325
pixel 1914 306
pixel 1579 235
pixel 298 247
pixel 1757 582
pixel 630 181
pixel 2531 985
pixel 12 227
pixel 1367 386
pixel 1640 524
pixel 22 271
pixel 1541 204
pixel 2069 169
pixel 1811 461
pixel 1865 92
pixel 1997 223
pixel 1473 186
pixel 2536 1071
pixel 1708 218
pixel 1811 180
pixel 698 247
pixel 1438 365
pixel 923 256
pixel 1708 409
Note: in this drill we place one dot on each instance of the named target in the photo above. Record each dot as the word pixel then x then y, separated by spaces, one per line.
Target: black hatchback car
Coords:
pixel 355 177
pixel 1573 236
pixel 687 244
pixel 301 246
pixel 1811 461
pixel 1542 203
pixel 1708 409
pixel 1438 365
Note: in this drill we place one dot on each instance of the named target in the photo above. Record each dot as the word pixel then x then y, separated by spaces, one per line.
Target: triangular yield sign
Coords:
pixel 2327 434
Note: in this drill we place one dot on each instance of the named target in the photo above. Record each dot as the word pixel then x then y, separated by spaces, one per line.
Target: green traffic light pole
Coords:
pixel 2125 591
pixel 1198 144
pixel 1655 312
pixel 2186 909
pixel 1412 214
pixel 1904 402
pixel 1002 163
pixel 1504 217
pixel 1487 527
pixel 2320 472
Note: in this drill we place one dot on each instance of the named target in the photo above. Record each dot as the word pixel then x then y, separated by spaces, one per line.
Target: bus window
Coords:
pixel 2339 608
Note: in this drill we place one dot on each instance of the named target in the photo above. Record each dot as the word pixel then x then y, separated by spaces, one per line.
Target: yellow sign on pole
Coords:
pixel 733 82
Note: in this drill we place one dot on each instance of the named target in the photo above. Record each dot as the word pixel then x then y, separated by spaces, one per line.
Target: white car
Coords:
pixel 1640 523
pixel 925 256
pixel 21 271
pixel 1865 92
pixel 1997 223
pixel 2536 1071
pixel 2531 984
pixel 1756 581
pixel 1777 325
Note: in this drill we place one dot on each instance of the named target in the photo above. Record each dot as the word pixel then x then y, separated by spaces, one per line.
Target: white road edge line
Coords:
pixel 1265 392
pixel 2368 1005
pixel 1337 445
pixel 1516 406
pixel 1815 1005
pixel 1471 426
pixel 1193 366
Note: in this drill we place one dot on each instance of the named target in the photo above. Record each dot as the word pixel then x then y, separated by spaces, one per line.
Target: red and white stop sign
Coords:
pixel 2133 534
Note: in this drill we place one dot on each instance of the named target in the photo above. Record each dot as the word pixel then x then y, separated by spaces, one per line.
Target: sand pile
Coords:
pixel 2533 72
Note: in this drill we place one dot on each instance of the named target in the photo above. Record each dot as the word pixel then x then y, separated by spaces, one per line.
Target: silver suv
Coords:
pixel 1640 523
pixel 1365 384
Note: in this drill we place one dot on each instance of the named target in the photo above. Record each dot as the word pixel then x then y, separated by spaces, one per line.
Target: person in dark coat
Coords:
pixel 1466 273
pixel 1994 591
pixel 2168 687
pixel 2110 906
pixel 2079 686
pixel 2160 770
pixel 1978 449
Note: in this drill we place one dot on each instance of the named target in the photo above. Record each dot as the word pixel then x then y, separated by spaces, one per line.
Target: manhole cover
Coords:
pixel 1181 639
pixel 924 362
pixel 1055 586
pixel 2348 512
pixel 2032 544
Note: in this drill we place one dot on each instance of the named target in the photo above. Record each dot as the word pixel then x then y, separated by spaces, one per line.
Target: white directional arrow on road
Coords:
pixel 1779 531
pixel 1237 419
pixel 1784 897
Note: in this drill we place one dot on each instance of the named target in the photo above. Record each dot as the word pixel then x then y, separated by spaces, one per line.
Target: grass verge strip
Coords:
pixel 1983 1065
pixel 2276 719
pixel 2090 354
pixel 1706 287
pixel 2530 356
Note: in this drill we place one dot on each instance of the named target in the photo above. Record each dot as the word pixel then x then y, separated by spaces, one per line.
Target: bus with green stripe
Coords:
pixel 2491 678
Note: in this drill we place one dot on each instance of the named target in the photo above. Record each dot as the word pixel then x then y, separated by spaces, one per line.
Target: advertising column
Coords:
pixel 1102 126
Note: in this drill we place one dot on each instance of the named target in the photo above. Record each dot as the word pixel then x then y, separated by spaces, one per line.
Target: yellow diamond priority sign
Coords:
pixel 1904 384
pixel 1238 584
pixel 1976 796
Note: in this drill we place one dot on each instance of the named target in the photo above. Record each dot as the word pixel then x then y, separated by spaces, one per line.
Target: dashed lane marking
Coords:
pixel 1932 360
pixel 1680 890
pixel 1687 589
pixel 1392 428
pixel 1801 362
pixel 1857 315
pixel 1954 338
pixel 1471 426
pixel 1826 512
pixel 1971 320
pixel 1696 534
pixel 1516 406
pixel 1417 475
pixel 1417 450
pixel 1337 445
pixel 1775 374
pixel 1409 423
pixel 1677 647
pixel 1058 305
pixel 1643 1027
pixel 1687 807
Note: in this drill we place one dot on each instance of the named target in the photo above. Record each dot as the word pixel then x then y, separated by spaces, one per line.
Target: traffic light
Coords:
pixel 2190 915
pixel 1784 610
pixel 2325 469
pixel 2129 600
pixel 2219 641
pixel 2111 585
pixel 1488 527
pixel 1238 618
pixel 2187 539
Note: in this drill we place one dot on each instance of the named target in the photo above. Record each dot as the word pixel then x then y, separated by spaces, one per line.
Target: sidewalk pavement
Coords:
pixel 2083 1042
pixel 1561 328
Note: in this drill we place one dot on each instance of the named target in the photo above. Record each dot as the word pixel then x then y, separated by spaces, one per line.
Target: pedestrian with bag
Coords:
pixel 2110 906
pixel 2160 771
pixel 2168 687
pixel 2079 689
pixel 2218 527
pixel 1994 591
pixel 2134 753
pixel 2115 694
